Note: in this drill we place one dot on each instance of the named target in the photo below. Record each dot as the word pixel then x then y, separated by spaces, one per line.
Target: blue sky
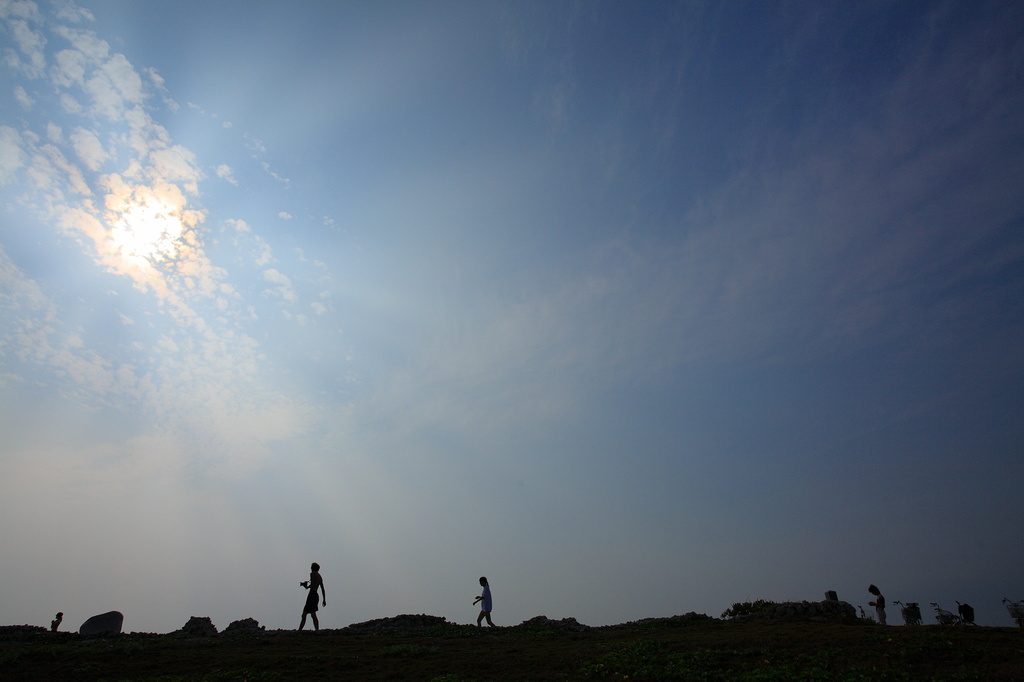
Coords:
pixel 635 308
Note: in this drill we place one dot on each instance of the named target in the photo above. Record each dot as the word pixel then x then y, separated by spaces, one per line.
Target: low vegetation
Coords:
pixel 747 608
pixel 692 648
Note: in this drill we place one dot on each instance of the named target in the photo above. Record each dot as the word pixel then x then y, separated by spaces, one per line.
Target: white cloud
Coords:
pixel 285 215
pixel 89 148
pixel 51 172
pixel 30 42
pixel 20 9
pixel 264 254
pixel 33 332
pixel 21 294
pixel 85 42
pixel 69 68
pixel 158 82
pixel 238 225
pixel 254 144
pixel 283 180
pixel 155 77
pixel 124 77
pixel 177 164
pixel 285 289
pixel 74 14
pixel 70 104
pixel 22 97
pixel 276 277
pixel 12 158
pixel 224 172
pixel 106 101
pixel 110 81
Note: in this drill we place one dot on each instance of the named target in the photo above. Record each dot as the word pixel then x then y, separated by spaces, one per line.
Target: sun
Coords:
pixel 148 232
pixel 147 229
pixel 146 226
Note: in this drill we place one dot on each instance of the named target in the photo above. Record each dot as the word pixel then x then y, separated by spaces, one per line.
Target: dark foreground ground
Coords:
pixel 668 649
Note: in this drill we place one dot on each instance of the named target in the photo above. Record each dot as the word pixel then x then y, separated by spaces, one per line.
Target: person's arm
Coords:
pixel 324 590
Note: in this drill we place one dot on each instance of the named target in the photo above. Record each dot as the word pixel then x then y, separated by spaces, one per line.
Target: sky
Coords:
pixel 636 309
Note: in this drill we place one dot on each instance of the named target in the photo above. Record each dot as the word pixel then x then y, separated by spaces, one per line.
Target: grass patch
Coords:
pixel 408 650
pixel 711 651
pixel 647 661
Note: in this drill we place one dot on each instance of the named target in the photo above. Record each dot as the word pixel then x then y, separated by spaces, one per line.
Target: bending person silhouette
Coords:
pixel 878 603
pixel 314 584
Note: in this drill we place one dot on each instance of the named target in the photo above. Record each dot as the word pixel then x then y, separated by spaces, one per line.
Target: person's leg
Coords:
pixel 302 623
pixel 480 618
pixel 489 621
pixel 316 621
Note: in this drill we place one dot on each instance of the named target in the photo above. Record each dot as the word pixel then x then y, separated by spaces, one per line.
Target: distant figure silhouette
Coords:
pixel 314 583
pixel 55 623
pixel 485 604
pixel 878 603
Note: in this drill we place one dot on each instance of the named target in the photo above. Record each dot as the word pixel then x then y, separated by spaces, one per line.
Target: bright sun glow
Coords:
pixel 148 233
pixel 148 229
pixel 146 223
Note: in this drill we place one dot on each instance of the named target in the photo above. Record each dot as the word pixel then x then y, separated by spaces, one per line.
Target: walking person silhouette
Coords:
pixel 485 604
pixel 314 584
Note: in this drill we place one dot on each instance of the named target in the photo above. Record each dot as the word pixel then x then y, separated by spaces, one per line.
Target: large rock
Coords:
pixel 198 627
pixel 108 623
pixel 402 622
pixel 545 623
pixel 819 611
pixel 248 626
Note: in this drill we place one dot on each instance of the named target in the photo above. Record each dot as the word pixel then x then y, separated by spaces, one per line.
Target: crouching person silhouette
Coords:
pixel 314 584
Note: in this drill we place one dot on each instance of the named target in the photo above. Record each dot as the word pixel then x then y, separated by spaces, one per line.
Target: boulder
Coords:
pixel 401 622
pixel 545 623
pixel 248 626
pixel 198 627
pixel 821 611
pixel 108 623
